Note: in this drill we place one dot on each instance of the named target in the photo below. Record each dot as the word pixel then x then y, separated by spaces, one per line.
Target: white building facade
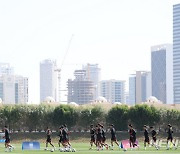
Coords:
pixel 113 90
pixel 93 73
pixel 13 89
pixel 49 80
pixel 139 87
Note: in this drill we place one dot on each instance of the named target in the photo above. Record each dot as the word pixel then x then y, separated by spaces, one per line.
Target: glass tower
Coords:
pixel 176 53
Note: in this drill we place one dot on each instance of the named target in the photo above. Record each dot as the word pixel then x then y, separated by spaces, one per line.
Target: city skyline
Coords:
pixel 114 34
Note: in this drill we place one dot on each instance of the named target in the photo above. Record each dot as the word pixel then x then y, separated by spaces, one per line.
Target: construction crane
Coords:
pixel 58 70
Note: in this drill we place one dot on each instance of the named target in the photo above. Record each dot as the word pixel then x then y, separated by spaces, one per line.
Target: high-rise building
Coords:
pixel 162 72
pixel 49 80
pixel 132 90
pixel 81 90
pixel 113 90
pixel 93 73
pixel 139 87
pixel 176 53
pixel 13 88
pixel 5 68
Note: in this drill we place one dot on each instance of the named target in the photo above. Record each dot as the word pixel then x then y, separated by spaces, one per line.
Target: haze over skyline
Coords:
pixel 116 34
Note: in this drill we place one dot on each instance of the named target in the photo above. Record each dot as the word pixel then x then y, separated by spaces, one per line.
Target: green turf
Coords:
pixel 82 148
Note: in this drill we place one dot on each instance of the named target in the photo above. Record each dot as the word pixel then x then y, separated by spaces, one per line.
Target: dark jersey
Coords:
pixel 170 133
pixel 99 133
pixel 113 132
pixel 48 133
pixel 103 133
pixel 154 133
pixel 65 134
pixel 92 133
pixel 60 135
pixel 146 133
pixel 6 134
pixel 132 133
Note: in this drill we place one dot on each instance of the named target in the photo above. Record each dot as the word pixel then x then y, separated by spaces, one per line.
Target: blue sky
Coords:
pixel 116 34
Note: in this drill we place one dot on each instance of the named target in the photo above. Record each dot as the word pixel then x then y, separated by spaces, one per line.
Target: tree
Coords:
pixel 118 116
pixel 140 115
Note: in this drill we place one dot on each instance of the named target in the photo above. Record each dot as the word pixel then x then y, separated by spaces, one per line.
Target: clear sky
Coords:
pixel 116 34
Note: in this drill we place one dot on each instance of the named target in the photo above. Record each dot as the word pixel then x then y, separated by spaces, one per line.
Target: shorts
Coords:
pixel 92 139
pixel 60 140
pixel 170 138
pixel 132 139
pixel 113 138
pixel 7 140
pixel 146 140
pixel 65 140
pixel 99 139
pixel 154 139
pixel 103 139
pixel 48 140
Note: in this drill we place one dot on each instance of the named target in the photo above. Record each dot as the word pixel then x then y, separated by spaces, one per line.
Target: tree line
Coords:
pixel 38 117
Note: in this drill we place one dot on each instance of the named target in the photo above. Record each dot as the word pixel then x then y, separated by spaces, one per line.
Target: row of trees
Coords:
pixel 23 117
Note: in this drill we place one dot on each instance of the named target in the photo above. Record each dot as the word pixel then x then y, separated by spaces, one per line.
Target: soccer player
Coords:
pixel 170 136
pixel 113 136
pixel 154 138
pixel 98 136
pixel 8 146
pixel 48 139
pixel 60 136
pixel 132 136
pixel 103 142
pixel 146 136
pixel 65 138
pixel 92 133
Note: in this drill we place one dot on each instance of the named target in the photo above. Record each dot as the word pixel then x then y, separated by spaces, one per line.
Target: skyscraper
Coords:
pixel 13 88
pixel 94 75
pixel 139 87
pixel 162 72
pixel 176 53
pixel 49 80
pixel 81 90
pixel 113 90
pixel 132 90
pixel 5 68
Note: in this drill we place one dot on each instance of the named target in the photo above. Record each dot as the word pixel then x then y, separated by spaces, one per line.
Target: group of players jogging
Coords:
pixel 98 137
pixel 63 135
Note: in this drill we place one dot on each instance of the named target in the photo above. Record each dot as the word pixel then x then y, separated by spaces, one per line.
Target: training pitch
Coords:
pixel 83 148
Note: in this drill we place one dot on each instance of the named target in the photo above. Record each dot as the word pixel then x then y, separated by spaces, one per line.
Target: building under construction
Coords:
pixel 81 90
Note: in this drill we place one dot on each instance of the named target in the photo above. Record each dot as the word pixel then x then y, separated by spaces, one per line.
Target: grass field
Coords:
pixel 83 148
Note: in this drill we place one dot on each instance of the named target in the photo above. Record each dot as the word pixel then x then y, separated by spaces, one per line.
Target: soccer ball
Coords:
pixel 10 149
pixel 52 150
pixel 73 150
pixel 67 150
pixel 61 150
pixel 124 149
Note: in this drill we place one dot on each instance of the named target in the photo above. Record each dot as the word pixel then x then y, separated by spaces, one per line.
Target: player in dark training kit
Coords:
pixel 132 136
pixel 60 136
pixel 8 146
pixel 98 136
pixel 92 133
pixel 170 136
pixel 103 142
pixel 154 137
pixel 146 136
pixel 113 136
pixel 65 134
pixel 48 139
